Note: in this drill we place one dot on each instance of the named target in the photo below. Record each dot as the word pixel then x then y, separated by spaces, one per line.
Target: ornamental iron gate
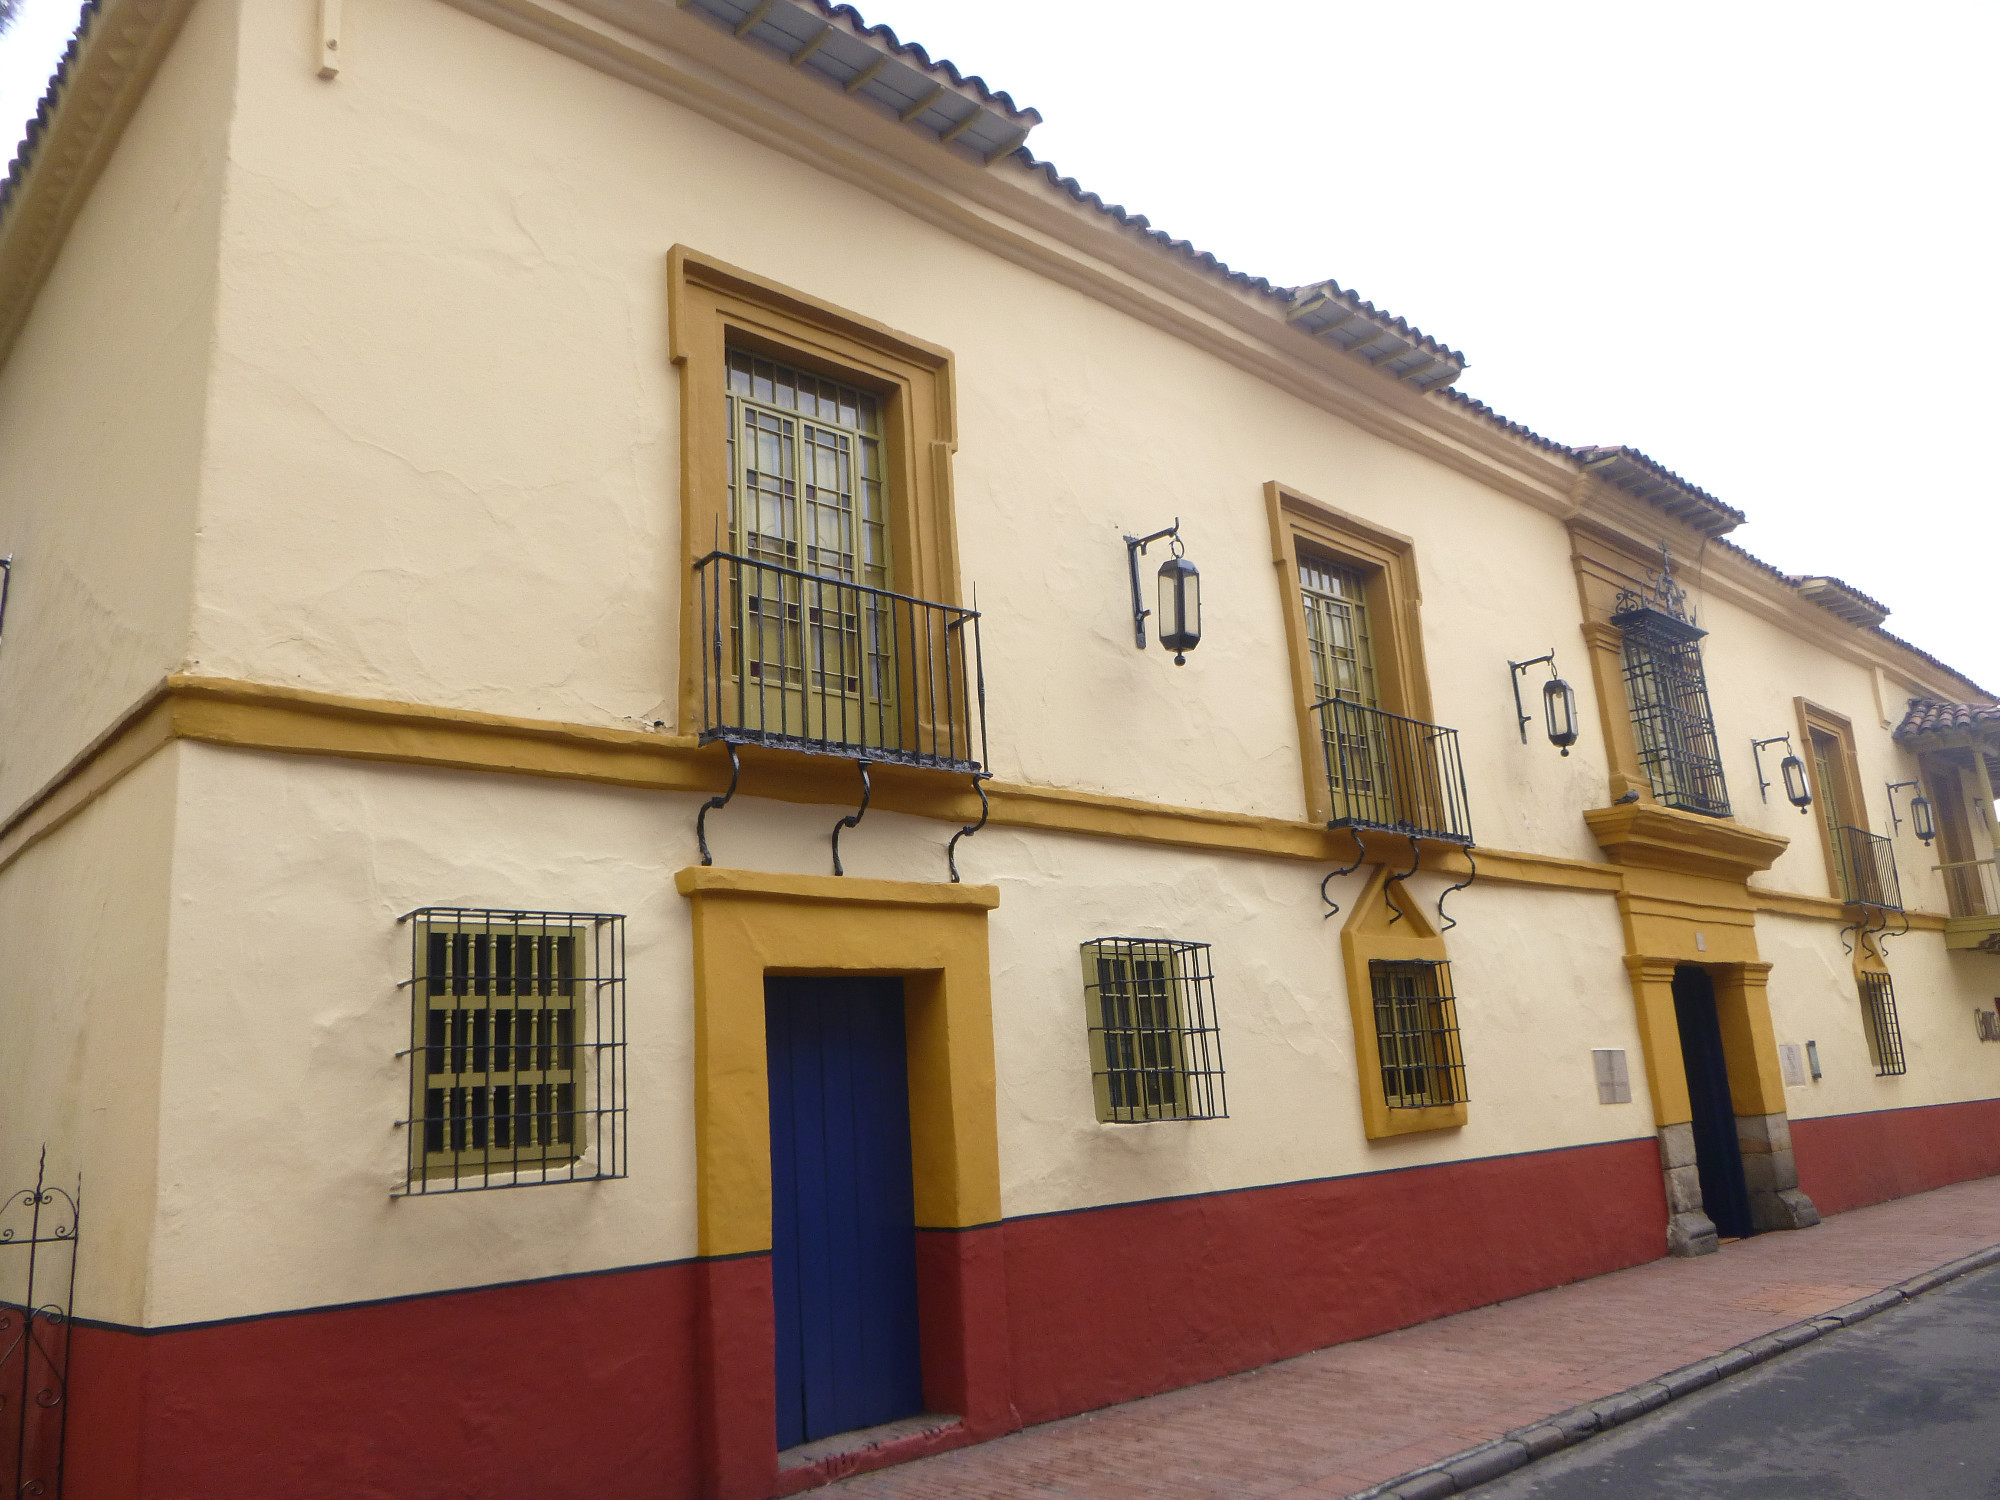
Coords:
pixel 34 1331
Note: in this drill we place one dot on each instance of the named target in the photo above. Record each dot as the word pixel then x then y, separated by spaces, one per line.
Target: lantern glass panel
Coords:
pixel 1796 790
pixel 1922 820
pixel 1180 605
pixel 1559 706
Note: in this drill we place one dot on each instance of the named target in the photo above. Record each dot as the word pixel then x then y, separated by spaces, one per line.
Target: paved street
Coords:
pixel 1906 1404
pixel 1338 1420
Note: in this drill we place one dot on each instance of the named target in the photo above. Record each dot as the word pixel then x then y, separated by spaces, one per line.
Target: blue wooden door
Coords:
pixel 843 1222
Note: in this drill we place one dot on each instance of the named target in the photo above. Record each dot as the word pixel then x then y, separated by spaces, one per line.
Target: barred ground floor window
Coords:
pixel 1155 1049
pixel 1885 1033
pixel 1416 1033
pixel 517 1051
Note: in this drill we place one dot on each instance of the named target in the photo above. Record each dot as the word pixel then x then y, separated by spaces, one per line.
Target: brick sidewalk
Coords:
pixel 1338 1420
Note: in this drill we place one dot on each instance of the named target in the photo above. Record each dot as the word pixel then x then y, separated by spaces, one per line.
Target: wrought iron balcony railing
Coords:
pixel 1388 772
pixel 819 664
pixel 1972 886
pixel 1867 866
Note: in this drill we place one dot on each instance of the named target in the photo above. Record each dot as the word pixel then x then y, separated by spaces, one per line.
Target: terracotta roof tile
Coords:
pixel 24 151
pixel 1930 716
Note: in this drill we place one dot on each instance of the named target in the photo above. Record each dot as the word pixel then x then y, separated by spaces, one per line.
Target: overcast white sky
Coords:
pixel 1756 240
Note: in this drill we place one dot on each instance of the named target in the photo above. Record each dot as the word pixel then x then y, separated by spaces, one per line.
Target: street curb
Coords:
pixel 1510 1451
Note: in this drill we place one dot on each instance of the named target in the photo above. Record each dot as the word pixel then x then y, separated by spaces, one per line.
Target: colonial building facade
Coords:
pixel 623 874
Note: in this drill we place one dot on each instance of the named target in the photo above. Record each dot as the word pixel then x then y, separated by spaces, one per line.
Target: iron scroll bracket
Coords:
pixel 979 781
pixel 1518 667
pixel 1864 929
pixel 1885 934
pixel 1360 858
pixel 1445 923
pixel 713 803
pixel 853 819
pixel 1416 860
pixel 1134 545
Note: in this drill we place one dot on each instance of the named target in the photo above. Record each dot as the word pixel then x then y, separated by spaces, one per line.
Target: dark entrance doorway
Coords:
pixel 1718 1158
pixel 843 1216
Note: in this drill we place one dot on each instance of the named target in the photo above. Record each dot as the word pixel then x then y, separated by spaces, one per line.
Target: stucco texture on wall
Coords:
pixel 442 337
pixel 83 976
pixel 286 1013
pixel 1814 997
pixel 101 423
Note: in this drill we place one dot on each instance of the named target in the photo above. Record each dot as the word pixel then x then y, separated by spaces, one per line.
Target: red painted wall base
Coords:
pixel 1122 1302
pixel 582 1386
pixel 656 1384
pixel 1849 1161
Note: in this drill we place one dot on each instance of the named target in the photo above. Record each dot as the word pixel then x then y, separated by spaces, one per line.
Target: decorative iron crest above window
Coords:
pixel 1660 594
pixel 517 1048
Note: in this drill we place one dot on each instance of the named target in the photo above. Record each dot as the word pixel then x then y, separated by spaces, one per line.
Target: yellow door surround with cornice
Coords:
pixel 1685 899
pixel 748 925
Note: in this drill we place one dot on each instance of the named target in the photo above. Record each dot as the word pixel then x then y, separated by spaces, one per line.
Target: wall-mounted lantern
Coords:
pixel 1791 768
pixel 1922 821
pixel 1558 702
pixel 1180 596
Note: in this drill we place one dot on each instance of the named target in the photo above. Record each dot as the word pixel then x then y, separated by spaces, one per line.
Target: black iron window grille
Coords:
pixel 517 1048
pixel 1885 1033
pixel 816 663
pixel 1155 1048
pixel 1416 1033
pixel 1386 771
pixel 1866 864
pixel 1671 718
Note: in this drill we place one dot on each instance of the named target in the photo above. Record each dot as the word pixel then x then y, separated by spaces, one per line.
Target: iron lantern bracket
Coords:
pixel 6 584
pixel 1895 821
pixel 1757 754
pixel 1134 545
pixel 1518 668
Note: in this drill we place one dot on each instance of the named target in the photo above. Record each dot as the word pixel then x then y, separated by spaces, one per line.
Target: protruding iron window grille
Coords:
pixel 1671 718
pixel 517 1048
pixel 1416 1033
pixel 1155 1050
pixel 1386 771
pixel 1866 863
pixel 812 663
pixel 1885 1034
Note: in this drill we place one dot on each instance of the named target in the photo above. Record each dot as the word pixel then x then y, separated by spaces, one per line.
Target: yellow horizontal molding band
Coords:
pixel 709 880
pixel 303 721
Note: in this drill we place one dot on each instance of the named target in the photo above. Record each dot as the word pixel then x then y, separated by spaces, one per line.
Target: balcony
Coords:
pixel 799 661
pixel 1972 886
pixel 1386 772
pixel 1866 865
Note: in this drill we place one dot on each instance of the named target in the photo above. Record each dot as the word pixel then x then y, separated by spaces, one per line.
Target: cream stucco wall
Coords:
pixel 442 340
pixel 285 1014
pixel 1813 997
pixel 437 462
pixel 101 404
pixel 83 965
